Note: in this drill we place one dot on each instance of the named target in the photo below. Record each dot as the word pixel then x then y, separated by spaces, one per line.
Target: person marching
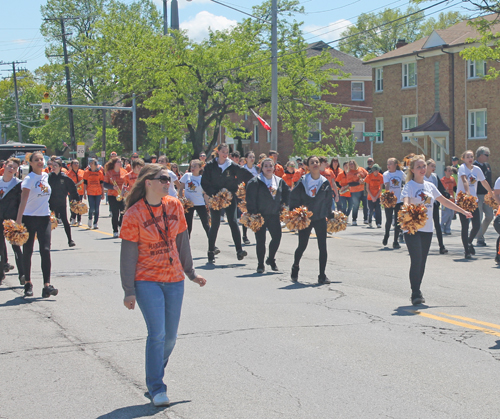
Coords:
pixel 252 168
pixel 61 186
pixel 10 198
pixel 345 198
pixel 496 222
pixel 191 185
pixel 34 213
pixel 76 175
pixel 130 178
pixel 355 180
pixel 393 180
pixel 113 181
pixel 155 278
pixel 418 191
pixel 218 174
pixel 265 194
pixel 315 192
pixel 374 181
pixel 289 173
pixel 93 180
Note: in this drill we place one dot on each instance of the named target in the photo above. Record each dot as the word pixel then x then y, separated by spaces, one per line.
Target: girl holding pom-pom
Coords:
pixel 315 192
pixel 418 191
pixel 393 180
pixel 266 193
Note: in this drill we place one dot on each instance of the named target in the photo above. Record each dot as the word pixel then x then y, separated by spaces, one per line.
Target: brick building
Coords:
pixel 354 92
pixel 427 99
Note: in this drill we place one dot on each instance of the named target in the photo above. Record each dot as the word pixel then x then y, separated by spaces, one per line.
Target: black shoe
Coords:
pixel 22 280
pixel 71 243
pixel 211 257
pixel 385 241
pixel 216 251
pixel 48 291
pixel 8 267
pixel 322 279
pixel 245 240
pixel 443 250
pixel 1 279
pixel 472 251
pixel 468 255
pixel 417 298
pixel 294 274
pixel 497 259
pixel 241 254
pixel 28 289
pixel 272 264
pixel 396 245
pixel 480 243
pixel 260 269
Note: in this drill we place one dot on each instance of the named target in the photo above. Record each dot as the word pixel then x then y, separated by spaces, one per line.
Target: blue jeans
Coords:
pixel 356 199
pixel 446 218
pixel 94 203
pixel 345 204
pixel 160 303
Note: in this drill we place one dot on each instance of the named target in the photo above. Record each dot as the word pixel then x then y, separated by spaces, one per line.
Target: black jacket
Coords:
pixel 214 179
pixel 320 205
pixel 486 169
pixel 61 186
pixel 9 204
pixel 260 201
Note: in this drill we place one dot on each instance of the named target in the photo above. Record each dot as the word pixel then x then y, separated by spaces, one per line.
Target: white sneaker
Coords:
pixel 115 235
pixel 379 226
pixel 79 223
pixel 161 399
pixel 89 223
pixel 95 227
pixel 354 223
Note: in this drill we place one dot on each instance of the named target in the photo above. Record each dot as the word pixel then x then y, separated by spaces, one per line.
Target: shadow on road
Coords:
pixel 212 267
pixel 300 285
pixel 497 346
pixel 257 275
pixel 409 310
pixel 21 301
pixel 138 411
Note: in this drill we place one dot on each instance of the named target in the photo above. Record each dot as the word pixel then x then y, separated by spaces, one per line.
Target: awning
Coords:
pixel 434 128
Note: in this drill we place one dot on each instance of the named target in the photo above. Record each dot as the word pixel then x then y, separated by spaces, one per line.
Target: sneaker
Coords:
pixel 443 251
pixel 241 254
pixel 245 240
pixel 385 241
pixel 379 225
pixel 22 280
pixel 28 289
pixel 294 274
pixel 71 243
pixel 260 269
pixel 322 279
pixel 272 264
pixel 472 251
pixel 468 255
pixel 370 225
pixel 282 224
pixel 1 279
pixel 115 234
pixel 354 223
pixel 48 291
pixel 417 298
pixel 8 267
pixel 480 243
pixel 365 221
pixel 79 223
pixel 89 223
pixel 211 257
pixel 396 245
pixel 96 227
pixel 497 259
pixel 216 250
pixel 71 221
pixel 161 399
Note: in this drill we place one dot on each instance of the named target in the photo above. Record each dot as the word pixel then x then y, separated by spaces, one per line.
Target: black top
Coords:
pixel 260 201
pixel 320 205
pixel 61 186
pixel 9 204
pixel 486 168
pixel 214 179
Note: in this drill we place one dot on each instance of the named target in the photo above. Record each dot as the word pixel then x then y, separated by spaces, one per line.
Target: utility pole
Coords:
pixel 18 116
pixel 274 75
pixel 165 19
pixel 104 133
pixel 174 15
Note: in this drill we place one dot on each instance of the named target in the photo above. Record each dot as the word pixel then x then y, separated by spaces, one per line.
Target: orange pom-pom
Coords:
pixel 252 221
pixel 299 218
pixel 466 202
pixel 220 200
pixel 412 217
pixel 284 214
pixel 388 199
pixel 79 208
pixel 241 193
pixel 489 200
pixel 242 205
pixel 337 223
pixel 186 203
pixel 16 234
pixel 53 221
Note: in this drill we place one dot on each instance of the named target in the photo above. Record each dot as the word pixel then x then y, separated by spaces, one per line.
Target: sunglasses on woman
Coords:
pixel 163 179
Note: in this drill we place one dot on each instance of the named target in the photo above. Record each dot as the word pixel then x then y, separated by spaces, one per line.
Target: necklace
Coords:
pixel 163 233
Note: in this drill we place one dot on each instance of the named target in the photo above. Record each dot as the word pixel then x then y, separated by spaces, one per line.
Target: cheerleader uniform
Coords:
pixel 395 181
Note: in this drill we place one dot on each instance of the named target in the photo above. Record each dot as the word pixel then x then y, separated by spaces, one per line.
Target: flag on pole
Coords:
pixel 262 121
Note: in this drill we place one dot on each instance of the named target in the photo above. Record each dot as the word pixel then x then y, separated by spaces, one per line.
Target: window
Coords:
pixel 379 79
pixel 314 132
pixel 409 75
pixel 476 69
pixel 358 90
pixel 255 132
pixel 357 131
pixel 478 124
pixel 379 127
pixel 409 122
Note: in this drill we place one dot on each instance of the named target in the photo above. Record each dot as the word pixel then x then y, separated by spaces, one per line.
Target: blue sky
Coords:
pixel 20 20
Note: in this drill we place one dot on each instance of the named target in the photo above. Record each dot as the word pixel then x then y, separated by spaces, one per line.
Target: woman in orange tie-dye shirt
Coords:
pixel 155 257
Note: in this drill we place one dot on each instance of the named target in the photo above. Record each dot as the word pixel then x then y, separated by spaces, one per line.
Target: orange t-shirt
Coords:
pixel 94 180
pixel 449 184
pixel 356 176
pixel 328 173
pixel 2 171
pixel 117 177
pixel 128 168
pixel 374 184
pixel 158 261
pixel 278 170
pixel 288 178
pixel 298 174
pixel 76 177
pixel 342 180
pixel 129 179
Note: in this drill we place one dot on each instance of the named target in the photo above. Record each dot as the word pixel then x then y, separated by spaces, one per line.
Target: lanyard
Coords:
pixel 163 233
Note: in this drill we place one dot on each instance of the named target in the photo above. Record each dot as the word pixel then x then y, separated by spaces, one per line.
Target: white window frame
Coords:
pixel 256 132
pixel 407 123
pixel 314 127
pixel 472 124
pixel 362 83
pixel 379 127
pixel 379 79
pixel 406 76
pixel 472 69
pixel 362 139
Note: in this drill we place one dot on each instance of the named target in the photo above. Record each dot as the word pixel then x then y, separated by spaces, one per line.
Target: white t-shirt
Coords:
pixel 253 170
pixel 395 181
pixel 5 187
pixel 272 184
pixel 38 199
pixel 171 188
pixel 497 184
pixel 192 188
pixel 422 193
pixel 433 179
pixel 312 186
pixel 226 164
pixel 473 176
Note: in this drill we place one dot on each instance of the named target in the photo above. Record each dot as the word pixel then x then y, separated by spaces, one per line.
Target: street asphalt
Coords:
pixel 259 346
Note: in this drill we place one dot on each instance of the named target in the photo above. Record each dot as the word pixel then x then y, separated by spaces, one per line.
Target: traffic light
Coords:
pixel 46 105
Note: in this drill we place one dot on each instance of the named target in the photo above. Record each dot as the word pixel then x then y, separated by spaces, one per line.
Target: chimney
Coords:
pixel 401 43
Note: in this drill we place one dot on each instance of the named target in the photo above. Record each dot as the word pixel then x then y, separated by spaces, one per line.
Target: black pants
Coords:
pixel 476 225
pixel 3 251
pixel 272 223
pixel 437 225
pixel 364 201
pixel 116 208
pixel 389 214
pixel 376 211
pixel 41 227
pixel 496 225
pixel 233 224
pixel 418 245
pixel 201 210
pixel 320 230
pixel 60 210
pixel 74 216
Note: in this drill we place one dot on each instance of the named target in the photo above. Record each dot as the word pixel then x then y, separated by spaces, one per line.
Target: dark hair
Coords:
pixel 13 160
pixel 248 153
pixel 31 159
pixel 323 159
pixel 110 165
pixel 312 157
pixel 269 159
pixel 235 154
pixel 138 191
pixel 138 162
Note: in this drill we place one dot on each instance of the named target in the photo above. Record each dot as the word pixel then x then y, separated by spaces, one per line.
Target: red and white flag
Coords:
pixel 262 121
